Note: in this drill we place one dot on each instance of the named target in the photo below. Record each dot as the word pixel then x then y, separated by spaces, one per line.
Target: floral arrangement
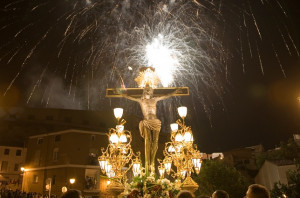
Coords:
pixel 149 187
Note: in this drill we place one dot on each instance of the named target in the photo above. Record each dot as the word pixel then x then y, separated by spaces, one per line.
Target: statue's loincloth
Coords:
pixel 153 125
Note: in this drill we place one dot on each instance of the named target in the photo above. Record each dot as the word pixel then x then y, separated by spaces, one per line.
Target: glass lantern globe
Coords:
pixel 182 111
pixel 118 112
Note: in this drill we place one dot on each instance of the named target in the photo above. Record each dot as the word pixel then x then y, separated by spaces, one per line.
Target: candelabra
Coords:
pixel 117 155
pixel 183 153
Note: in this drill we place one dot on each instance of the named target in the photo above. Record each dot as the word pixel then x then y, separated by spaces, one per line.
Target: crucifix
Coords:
pixel 148 96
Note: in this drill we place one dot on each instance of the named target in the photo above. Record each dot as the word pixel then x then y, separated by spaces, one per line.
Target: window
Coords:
pixel 18 152
pixel 35 179
pixel 93 137
pixel 16 168
pixel 6 151
pixel 40 141
pixel 55 154
pixel 57 138
pixel 4 165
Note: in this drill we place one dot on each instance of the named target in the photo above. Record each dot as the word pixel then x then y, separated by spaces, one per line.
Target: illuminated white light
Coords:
pixel 162 58
pixel 111 174
pixel 102 163
pixel 136 169
pixel 182 111
pixel 64 189
pixel 114 138
pixel 196 162
pixel 188 137
pixel 183 173
pixel 118 112
pixel 174 127
pixel 123 138
pixel 161 172
pixel 171 149
pixel 72 181
pixel 108 168
pixel 168 165
pixel 178 137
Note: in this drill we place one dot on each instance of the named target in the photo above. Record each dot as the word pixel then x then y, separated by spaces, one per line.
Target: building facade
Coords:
pixel 244 160
pixel 11 161
pixel 274 171
pixel 55 158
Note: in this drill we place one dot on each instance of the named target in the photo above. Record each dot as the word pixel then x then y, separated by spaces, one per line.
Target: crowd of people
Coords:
pixel 8 193
pixel 254 191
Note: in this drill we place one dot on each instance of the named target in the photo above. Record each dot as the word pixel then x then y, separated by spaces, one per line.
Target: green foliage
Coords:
pixel 291 190
pixel 287 151
pixel 149 187
pixel 216 175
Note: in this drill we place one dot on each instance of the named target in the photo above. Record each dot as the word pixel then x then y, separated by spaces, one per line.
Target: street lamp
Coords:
pixel 72 181
pixel 23 172
pixel 49 186
pixel 64 189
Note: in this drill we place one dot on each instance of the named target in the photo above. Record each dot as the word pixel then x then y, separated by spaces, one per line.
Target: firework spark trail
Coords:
pixel 278 60
pixel 293 43
pixel 105 41
pixel 254 21
pixel 23 29
pixel 285 43
pixel 12 57
pixel 259 59
pixel 72 77
pixel 242 53
pixel 38 82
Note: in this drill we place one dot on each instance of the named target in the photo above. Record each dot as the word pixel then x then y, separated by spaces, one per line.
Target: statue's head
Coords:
pixel 148 93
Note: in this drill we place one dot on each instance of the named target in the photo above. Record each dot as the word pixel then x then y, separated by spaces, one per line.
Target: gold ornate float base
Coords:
pixel 115 188
pixel 189 184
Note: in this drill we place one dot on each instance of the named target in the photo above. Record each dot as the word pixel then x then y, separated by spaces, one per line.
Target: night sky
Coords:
pixel 63 54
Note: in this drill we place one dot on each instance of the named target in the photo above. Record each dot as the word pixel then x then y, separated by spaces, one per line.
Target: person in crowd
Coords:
pixel 72 194
pixel 220 194
pixel 257 191
pixel 185 194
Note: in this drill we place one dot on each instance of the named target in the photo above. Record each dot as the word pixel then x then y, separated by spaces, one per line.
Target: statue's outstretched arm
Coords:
pixel 131 98
pixel 168 95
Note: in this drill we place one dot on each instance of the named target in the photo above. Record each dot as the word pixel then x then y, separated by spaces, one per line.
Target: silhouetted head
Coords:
pixel 72 194
pixel 257 191
pixel 220 194
pixel 185 194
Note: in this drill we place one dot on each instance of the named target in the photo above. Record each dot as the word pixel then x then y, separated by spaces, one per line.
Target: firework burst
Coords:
pixel 79 48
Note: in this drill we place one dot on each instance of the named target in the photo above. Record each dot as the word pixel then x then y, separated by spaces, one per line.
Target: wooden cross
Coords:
pixel 138 92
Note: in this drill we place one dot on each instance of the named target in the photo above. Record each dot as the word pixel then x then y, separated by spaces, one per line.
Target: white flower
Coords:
pixel 165 181
pixel 150 179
